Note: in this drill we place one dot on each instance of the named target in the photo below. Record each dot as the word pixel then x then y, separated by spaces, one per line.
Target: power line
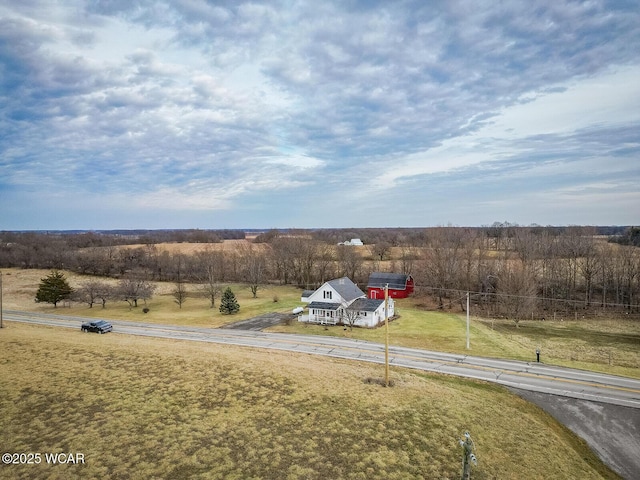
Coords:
pixel 462 294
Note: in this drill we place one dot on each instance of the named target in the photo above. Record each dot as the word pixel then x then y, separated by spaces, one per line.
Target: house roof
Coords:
pixel 307 293
pixel 346 288
pixel 365 305
pixel 396 281
pixel 324 305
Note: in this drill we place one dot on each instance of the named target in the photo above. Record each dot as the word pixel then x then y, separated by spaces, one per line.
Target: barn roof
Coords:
pixel 346 288
pixel 396 281
pixel 365 305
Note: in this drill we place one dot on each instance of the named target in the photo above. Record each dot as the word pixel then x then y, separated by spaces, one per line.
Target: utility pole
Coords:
pixel 468 321
pixel 1 325
pixel 468 457
pixel 386 343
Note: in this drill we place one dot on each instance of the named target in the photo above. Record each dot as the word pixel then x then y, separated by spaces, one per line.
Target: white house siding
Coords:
pixel 326 293
pixel 371 319
pixel 327 304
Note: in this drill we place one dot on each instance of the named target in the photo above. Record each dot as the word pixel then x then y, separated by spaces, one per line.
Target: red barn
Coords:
pixel 400 285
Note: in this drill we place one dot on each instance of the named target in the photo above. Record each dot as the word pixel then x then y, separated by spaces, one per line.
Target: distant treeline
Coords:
pixel 630 236
pixel 106 238
pixel 417 236
pixel 509 270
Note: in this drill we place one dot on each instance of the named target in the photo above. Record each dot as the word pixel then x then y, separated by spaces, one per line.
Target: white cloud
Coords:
pixel 606 101
pixel 188 105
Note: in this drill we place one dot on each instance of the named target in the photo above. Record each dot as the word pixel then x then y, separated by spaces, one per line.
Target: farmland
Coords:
pixel 144 408
pixel 606 345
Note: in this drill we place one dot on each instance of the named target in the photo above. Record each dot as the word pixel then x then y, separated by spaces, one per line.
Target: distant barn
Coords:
pixel 400 285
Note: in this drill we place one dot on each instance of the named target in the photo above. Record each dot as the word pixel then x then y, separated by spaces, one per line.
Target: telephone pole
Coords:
pixel 1 325
pixel 386 343
pixel 467 320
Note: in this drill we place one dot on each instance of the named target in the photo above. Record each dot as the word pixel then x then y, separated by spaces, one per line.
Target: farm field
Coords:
pixel 609 346
pixel 151 408
pixel 20 287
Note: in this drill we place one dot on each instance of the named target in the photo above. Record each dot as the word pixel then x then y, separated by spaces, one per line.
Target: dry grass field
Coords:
pixel 20 287
pixel 186 248
pixel 610 346
pixel 139 408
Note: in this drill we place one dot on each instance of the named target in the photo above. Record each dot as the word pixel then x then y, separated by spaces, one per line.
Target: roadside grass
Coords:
pixel 422 329
pixel 609 346
pixel 196 310
pixel 153 408
pixel 20 288
pixel 604 345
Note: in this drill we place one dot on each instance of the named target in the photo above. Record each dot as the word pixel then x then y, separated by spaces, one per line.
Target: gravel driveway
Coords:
pixel 260 322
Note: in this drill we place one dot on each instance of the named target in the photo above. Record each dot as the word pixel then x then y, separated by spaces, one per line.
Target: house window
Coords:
pixel 364 314
pixel 327 295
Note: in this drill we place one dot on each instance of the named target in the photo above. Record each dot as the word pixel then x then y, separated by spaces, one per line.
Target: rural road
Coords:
pixel 602 409
pixel 531 376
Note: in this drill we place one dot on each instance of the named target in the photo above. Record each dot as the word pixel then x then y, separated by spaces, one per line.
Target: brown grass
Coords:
pixel 229 246
pixel 152 408
pixel 610 346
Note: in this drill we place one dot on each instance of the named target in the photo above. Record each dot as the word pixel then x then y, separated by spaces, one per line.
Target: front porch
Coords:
pixel 318 320
pixel 322 313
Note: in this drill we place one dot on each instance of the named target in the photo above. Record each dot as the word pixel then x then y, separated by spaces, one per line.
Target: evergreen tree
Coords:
pixel 228 303
pixel 53 288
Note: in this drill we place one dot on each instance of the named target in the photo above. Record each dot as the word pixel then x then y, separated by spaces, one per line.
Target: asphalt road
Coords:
pixel 530 376
pixel 602 409
pixel 613 432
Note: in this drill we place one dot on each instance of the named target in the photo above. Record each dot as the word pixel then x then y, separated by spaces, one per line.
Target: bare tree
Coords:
pixel 442 261
pixel 588 266
pixel 350 317
pixel 91 291
pixel 105 293
pixel 180 292
pixel 211 273
pixel 282 258
pixel 349 261
pixel 325 260
pixel 516 292
pixel 381 249
pixel 408 256
pixel 627 276
pixel 254 268
pixel 134 288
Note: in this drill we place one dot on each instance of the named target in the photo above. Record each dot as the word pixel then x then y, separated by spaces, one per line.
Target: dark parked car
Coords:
pixel 98 326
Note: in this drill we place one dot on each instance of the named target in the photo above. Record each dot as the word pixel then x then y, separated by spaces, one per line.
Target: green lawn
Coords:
pixel 601 345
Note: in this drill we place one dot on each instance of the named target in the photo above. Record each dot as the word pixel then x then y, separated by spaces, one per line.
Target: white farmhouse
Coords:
pixel 339 300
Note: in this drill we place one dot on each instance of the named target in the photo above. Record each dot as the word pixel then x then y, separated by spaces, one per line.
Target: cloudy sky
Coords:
pixel 231 114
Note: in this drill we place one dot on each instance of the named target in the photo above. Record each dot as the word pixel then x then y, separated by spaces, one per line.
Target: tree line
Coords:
pixel 509 270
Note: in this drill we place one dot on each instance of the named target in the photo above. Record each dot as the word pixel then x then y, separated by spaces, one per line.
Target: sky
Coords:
pixel 318 114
